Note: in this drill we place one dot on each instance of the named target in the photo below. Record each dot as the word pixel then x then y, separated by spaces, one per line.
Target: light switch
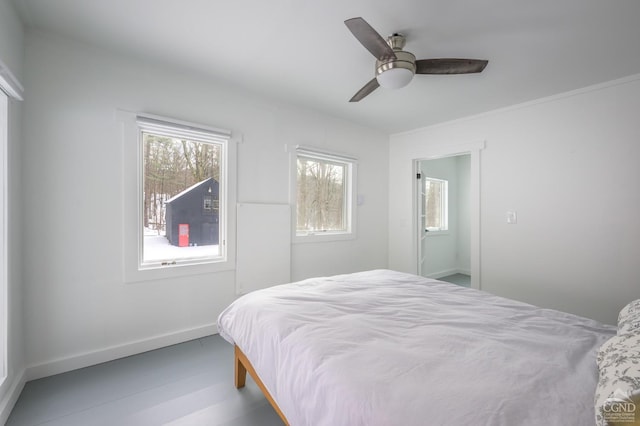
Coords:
pixel 512 217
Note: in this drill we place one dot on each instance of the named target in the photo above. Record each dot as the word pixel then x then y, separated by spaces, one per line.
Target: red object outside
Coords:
pixel 183 235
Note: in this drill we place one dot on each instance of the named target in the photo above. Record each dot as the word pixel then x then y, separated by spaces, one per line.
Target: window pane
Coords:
pixel 435 207
pixel 321 195
pixel 181 198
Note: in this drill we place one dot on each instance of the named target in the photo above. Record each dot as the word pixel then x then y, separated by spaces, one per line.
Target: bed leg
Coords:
pixel 242 366
pixel 240 370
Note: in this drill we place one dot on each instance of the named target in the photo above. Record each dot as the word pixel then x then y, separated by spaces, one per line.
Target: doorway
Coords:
pixel 444 218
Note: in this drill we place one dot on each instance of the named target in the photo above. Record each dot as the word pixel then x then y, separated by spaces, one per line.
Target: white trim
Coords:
pixel 322 153
pixel 443 273
pixel 443 207
pixel 10 397
pixel 132 205
pixel 9 83
pixel 4 281
pixel 350 197
pixel 87 359
pixel 434 234
pixel 323 237
pixel 164 125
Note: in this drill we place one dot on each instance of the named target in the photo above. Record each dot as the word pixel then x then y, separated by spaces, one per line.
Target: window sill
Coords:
pixel 323 237
pixel 436 234
pixel 175 271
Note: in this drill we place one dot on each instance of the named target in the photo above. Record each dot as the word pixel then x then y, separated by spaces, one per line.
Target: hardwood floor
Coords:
pixel 460 279
pixel 186 384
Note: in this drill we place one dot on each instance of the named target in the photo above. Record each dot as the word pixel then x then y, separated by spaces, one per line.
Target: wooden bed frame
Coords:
pixel 241 366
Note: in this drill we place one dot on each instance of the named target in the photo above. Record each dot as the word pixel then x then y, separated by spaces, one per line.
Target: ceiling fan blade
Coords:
pixel 450 66
pixel 366 90
pixel 370 39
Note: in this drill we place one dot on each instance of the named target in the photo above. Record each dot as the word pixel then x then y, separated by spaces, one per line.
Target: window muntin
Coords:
pixel 324 192
pixel 182 173
pixel 207 203
pixel 436 204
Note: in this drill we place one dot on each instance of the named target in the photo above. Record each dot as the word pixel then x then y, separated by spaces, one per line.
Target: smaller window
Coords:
pixel 208 202
pixel 436 204
pixel 324 190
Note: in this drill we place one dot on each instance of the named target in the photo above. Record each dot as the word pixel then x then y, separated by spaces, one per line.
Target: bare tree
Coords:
pixel 320 195
pixel 171 166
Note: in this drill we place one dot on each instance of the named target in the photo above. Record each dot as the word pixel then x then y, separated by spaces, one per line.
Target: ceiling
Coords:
pixel 300 51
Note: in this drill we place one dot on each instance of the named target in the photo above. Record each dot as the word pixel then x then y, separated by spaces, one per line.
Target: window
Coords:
pixel 177 215
pixel 208 201
pixel 180 169
pixel 436 204
pixel 324 195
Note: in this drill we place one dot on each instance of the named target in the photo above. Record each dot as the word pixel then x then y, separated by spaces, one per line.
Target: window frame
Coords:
pixel 443 208
pixel 10 91
pixel 351 169
pixel 4 273
pixel 134 269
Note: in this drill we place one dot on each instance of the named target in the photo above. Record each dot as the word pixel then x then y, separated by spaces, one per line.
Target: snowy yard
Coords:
pixel 157 247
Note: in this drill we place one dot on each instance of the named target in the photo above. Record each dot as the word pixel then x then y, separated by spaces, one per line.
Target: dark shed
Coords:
pixel 198 207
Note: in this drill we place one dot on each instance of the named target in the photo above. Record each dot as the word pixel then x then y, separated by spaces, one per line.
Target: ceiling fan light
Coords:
pixel 395 78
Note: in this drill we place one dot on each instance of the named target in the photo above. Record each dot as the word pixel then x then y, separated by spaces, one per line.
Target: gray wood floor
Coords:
pixel 460 279
pixel 186 384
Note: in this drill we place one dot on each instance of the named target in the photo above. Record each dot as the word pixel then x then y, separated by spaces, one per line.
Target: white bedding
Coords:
pixel 388 348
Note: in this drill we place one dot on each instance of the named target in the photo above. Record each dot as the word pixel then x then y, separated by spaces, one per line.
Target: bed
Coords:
pixel 389 348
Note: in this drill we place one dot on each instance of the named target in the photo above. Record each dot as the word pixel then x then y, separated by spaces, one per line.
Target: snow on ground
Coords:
pixel 157 247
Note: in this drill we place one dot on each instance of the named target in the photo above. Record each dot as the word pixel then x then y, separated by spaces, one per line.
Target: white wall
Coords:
pixel 11 39
pixel 569 166
pixel 80 311
pixel 11 54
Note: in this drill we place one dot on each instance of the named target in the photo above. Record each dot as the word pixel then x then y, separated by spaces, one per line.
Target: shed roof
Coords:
pixel 189 189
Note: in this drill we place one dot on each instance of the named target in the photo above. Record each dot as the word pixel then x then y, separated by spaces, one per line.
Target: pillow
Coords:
pixel 629 318
pixel 619 385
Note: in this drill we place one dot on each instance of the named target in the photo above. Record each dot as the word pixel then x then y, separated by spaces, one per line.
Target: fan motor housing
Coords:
pixel 402 60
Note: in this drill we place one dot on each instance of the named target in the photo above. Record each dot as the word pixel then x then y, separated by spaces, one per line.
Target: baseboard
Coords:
pixel 440 274
pixel 87 359
pixel 11 396
pixel 447 272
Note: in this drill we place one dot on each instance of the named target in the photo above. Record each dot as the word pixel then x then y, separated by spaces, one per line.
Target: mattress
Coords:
pixel 388 348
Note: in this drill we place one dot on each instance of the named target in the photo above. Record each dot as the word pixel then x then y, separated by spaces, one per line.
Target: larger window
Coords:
pixel 183 181
pixel 324 194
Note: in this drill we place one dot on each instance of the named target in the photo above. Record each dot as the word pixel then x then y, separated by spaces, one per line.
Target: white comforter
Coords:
pixel 388 348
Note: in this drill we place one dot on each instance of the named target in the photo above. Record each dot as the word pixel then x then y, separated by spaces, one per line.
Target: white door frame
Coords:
pixel 436 151
pixel 4 262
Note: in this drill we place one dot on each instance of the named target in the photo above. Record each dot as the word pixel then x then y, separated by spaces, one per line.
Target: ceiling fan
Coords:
pixel 395 67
